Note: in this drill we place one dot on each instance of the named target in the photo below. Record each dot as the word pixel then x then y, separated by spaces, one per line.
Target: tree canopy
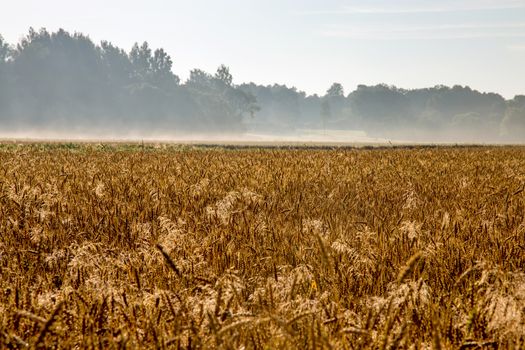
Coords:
pixel 65 82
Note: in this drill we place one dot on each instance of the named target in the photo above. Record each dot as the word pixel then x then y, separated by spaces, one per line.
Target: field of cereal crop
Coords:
pixel 115 246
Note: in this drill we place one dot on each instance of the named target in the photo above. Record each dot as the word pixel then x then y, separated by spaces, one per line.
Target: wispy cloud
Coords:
pixel 412 7
pixel 431 32
pixel 516 47
pixel 430 9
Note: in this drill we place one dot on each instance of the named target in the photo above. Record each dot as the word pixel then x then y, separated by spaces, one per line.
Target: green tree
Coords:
pixel 5 83
pixel 220 102
pixel 326 113
pixel 117 64
pixel 243 103
pixel 199 79
pixel 336 90
pixel 223 75
pixel 161 74
pixel 140 57
pixel 60 78
pixel 5 50
pixel 513 123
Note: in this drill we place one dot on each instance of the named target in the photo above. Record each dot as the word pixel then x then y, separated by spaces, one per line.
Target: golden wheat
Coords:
pixel 164 247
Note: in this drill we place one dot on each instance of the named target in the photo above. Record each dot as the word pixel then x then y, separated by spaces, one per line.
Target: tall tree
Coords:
pixel 513 123
pixel 117 64
pixel 5 81
pixel 199 79
pixel 336 90
pixel 161 64
pixel 223 75
pixel 326 113
pixel 5 50
pixel 59 77
pixel 140 57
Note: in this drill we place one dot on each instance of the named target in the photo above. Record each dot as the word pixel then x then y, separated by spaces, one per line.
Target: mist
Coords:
pixel 58 85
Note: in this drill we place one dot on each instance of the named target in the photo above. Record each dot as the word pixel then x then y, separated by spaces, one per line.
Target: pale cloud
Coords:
pixel 516 48
pixel 441 32
pixel 420 7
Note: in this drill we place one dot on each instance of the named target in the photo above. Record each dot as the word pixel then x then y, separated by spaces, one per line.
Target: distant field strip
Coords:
pixel 185 246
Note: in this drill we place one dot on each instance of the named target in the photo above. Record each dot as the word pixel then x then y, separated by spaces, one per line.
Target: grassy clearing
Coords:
pixel 143 247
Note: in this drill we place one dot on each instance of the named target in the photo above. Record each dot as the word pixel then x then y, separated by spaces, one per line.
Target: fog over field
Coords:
pixel 63 85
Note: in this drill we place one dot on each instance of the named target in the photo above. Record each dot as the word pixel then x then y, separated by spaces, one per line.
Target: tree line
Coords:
pixel 440 113
pixel 64 82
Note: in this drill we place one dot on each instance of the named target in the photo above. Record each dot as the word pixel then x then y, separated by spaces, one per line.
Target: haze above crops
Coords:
pixel 63 85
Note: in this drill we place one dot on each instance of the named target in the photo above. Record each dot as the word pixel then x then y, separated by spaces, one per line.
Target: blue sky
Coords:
pixel 308 44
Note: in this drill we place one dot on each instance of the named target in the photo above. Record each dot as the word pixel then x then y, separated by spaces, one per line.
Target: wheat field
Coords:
pixel 168 247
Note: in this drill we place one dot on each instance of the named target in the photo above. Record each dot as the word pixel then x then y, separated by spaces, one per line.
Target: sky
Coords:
pixel 305 43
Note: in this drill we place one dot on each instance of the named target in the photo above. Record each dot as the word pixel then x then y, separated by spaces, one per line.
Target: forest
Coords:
pixel 65 83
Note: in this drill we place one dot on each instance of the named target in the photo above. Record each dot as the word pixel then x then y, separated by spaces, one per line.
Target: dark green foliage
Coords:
pixel 513 125
pixel 457 114
pixel 63 82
